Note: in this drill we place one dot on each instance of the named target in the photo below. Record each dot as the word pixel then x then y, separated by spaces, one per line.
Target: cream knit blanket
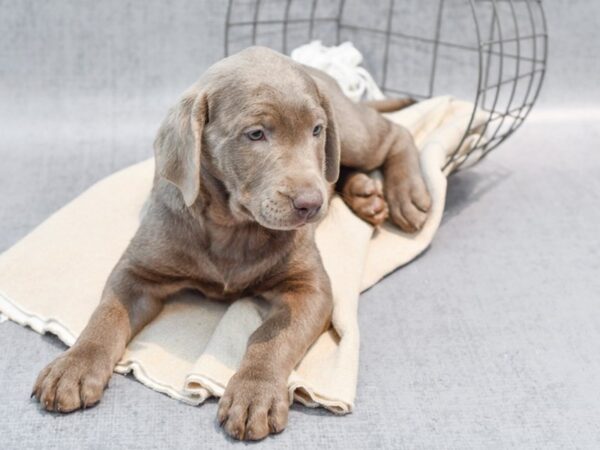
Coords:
pixel 52 279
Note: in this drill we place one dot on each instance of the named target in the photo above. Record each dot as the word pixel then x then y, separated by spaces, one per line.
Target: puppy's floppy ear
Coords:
pixel 177 146
pixel 332 143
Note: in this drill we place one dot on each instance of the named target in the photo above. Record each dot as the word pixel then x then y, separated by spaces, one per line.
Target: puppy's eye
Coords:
pixel 256 135
pixel 317 130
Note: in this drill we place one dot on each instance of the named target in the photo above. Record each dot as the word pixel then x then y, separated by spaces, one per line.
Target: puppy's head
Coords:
pixel 257 122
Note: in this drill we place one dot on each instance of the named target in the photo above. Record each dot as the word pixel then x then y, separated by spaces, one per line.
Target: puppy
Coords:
pixel 245 162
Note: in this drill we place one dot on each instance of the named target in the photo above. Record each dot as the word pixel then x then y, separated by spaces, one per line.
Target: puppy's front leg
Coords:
pixel 256 401
pixel 76 379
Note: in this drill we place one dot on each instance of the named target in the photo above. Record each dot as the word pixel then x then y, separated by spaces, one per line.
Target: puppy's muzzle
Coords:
pixel 307 203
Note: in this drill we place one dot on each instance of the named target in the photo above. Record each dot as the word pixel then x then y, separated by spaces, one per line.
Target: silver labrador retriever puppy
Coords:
pixel 245 163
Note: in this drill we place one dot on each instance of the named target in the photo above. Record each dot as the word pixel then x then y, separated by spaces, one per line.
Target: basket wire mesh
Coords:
pixel 491 51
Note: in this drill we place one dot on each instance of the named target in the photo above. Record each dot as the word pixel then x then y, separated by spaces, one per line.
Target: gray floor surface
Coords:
pixel 491 339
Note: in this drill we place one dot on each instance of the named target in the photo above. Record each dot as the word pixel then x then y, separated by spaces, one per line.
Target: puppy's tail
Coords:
pixel 390 104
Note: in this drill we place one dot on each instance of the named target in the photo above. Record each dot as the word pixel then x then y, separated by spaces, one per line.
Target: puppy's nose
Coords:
pixel 308 203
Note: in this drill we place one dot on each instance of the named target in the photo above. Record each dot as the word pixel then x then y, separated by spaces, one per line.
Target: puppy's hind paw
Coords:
pixel 409 202
pixel 364 196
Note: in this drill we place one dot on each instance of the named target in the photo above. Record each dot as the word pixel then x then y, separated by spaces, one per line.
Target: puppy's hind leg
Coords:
pixel 403 184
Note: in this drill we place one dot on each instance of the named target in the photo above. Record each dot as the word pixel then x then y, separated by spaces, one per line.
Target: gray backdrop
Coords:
pixel 491 339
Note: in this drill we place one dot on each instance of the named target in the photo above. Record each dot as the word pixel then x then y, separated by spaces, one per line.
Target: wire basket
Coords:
pixel 491 51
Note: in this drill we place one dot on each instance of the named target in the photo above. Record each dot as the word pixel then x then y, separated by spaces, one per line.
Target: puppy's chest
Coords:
pixel 220 278
pixel 232 271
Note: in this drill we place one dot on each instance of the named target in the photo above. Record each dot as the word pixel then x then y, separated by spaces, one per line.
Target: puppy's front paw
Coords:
pixel 254 405
pixel 408 200
pixel 364 195
pixel 74 380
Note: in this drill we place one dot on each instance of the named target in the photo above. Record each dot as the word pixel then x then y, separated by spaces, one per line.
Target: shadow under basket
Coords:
pixel 492 52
